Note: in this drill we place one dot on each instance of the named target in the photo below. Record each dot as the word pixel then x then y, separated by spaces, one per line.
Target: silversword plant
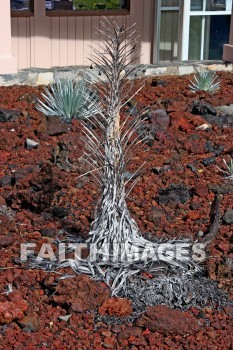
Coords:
pixel 107 154
pixel 109 145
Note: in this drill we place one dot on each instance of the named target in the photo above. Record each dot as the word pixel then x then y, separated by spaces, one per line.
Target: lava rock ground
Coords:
pixel 42 198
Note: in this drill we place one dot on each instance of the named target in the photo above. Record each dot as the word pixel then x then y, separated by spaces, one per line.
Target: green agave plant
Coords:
pixel 206 81
pixel 68 100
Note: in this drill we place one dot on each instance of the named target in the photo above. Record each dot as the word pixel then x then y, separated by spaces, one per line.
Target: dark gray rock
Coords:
pixel 157 170
pixel 228 216
pixel 60 212
pixel 7 115
pixel 48 232
pixel 202 107
pixel 159 120
pixel 24 172
pixel 215 149
pixel 208 161
pixel 174 193
pixel 209 147
pixel 219 120
pixel 6 180
pixel 192 167
pixel 155 82
pixel 225 188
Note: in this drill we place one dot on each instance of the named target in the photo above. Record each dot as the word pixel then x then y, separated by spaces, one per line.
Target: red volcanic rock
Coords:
pixel 4 157
pixel 109 342
pixel 201 190
pixel 56 126
pixel 2 200
pixel 181 121
pixel 7 224
pixel 195 146
pixel 30 322
pixel 81 293
pixel 10 311
pixel 162 319
pixel 196 120
pixel 9 141
pixel 119 307
pixel 6 241
pixel 128 332
pixel 193 214
pixel 177 106
pixel 36 189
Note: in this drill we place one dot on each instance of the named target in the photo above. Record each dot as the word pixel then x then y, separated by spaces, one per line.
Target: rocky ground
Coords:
pixel 42 199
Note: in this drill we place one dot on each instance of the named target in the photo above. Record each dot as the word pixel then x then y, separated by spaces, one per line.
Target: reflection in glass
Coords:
pixel 196 5
pixel 85 4
pixel 207 36
pixel 195 37
pixel 215 5
pixel 20 4
pixel 211 5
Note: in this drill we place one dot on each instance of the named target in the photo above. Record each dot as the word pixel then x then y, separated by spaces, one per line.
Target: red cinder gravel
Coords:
pixel 41 198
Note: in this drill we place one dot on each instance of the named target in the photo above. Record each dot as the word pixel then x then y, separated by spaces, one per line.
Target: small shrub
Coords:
pixel 205 80
pixel 68 100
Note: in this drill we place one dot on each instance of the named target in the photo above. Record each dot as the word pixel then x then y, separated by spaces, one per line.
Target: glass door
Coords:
pixel 209 28
pixel 168 29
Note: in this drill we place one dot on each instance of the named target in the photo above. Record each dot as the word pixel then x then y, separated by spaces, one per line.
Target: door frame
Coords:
pixel 187 13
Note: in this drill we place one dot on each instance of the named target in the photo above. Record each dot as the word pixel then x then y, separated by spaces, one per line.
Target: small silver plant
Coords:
pixel 204 80
pixel 67 99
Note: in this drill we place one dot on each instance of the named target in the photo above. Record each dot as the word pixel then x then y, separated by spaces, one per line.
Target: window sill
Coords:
pixel 21 13
pixel 64 13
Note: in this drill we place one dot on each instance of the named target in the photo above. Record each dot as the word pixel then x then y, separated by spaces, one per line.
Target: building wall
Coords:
pixel 43 42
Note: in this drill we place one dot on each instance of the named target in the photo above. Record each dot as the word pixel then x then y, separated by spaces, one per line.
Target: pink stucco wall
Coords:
pixel 8 63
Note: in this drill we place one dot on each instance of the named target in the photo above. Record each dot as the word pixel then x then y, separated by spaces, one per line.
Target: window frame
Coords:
pixel 81 13
pixel 24 13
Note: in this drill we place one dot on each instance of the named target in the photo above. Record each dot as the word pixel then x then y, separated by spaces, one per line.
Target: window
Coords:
pixel 207 36
pixel 211 5
pixel 79 7
pixel 22 7
pixel 209 28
